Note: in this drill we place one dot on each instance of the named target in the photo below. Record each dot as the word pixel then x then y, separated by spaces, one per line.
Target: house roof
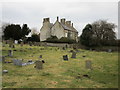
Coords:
pixel 68 28
pixel 51 24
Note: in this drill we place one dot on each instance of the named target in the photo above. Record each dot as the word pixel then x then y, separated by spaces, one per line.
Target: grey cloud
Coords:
pixel 80 13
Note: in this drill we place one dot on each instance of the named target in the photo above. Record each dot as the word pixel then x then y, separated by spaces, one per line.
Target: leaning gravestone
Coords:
pixel 10 53
pixel 73 54
pixel 38 64
pixel 65 57
pixel 88 64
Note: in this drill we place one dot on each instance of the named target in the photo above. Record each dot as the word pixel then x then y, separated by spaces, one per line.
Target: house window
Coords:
pixel 66 34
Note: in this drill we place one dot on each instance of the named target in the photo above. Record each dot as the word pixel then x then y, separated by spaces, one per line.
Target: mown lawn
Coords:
pixel 57 73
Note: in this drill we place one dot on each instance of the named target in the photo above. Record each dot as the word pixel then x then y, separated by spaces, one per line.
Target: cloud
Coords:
pixel 80 13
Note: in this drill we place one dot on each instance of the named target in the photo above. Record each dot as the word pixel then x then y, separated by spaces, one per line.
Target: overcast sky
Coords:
pixel 80 13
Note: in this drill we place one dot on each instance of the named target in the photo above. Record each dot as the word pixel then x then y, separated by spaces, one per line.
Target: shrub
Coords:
pixel 54 39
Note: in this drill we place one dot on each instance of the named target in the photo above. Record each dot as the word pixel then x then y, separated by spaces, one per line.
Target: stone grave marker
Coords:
pixel 21 44
pixel 2 59
pixel 39 64
pixel 17 62
pixel 3 45
pixel 109 50
pixel 5 71
pixel 10 53
pixel 63 48
pixel 13 46
pixel 40 56
pixel 30 43
pixel 73 54
pixel 88 64
pixel 65 57
pixel 16 42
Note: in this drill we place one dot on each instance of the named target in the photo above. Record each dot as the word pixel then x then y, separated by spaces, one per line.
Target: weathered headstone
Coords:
pixel 63 48
pixel 83 56
pixel 65 57
pixel 88 64
pixel 10 53
pixel 73 54
pixel 109 50
pixel 13 46
pixel 17 62
pixel 16 42
pixel 2 59
pixel 5 71
pixel 71 51
pixel 39 64
pixel 21 44
pixel 30 43
pixel 66 46
pixel 40 56
pixel 3 45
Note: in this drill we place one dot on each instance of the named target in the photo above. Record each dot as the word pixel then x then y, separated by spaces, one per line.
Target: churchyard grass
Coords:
pixel 56 72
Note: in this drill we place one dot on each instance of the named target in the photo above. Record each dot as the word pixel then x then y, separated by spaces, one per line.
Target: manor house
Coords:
pixel 60 29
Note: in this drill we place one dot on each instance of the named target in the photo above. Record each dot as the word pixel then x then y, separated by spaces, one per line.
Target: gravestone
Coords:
pixel 10 53
pixel 71 51
pixel 2 59
pixel 88 64
pixel 13 46
pixel 29 60
pixel 83 56
pixel 73 55
pixel 39 64
pixel 65 57
pixel 66 46
pixel 3 45
pixel 21 44
pixel 40 56
pixel 16 42
pixel 17 62
pixel 63 48
pixel 5 71
pixel 109 50
pixel 30 43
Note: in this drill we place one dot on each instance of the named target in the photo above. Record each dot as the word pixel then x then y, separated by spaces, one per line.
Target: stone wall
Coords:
pixel 56 44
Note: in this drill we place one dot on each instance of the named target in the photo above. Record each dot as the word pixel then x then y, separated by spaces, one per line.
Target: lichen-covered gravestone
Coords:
pixel 65 57
pixel 73 54
pixel 39 64
pixel 88 64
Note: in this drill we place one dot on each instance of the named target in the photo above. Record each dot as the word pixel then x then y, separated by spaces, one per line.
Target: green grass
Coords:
pixel 57 73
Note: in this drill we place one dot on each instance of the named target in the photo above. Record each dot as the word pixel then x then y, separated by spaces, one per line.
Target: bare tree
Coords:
pixel 104 32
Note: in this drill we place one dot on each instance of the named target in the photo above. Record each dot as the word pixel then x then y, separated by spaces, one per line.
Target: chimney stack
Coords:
pixel 68 23
pixel 72 24
pixel 46 20
pixel 57 18
pixel 63 20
